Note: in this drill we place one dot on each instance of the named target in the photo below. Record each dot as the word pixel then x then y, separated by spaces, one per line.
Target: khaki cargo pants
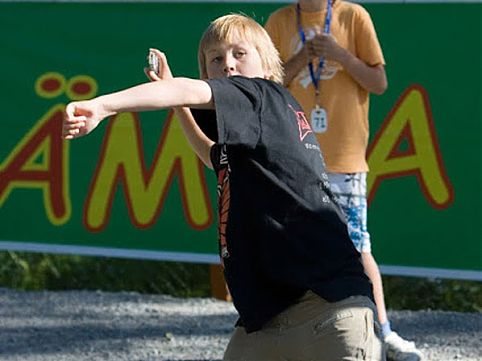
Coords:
pixel 313 330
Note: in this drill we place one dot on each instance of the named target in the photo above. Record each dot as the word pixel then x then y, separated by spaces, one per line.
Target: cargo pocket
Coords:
pixel 347 334
pixel 336 322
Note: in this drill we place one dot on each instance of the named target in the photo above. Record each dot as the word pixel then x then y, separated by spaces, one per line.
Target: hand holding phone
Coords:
pixel 158 68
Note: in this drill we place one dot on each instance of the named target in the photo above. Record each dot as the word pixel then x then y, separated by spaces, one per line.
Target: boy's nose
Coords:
pixel 229 65
pixel 228 69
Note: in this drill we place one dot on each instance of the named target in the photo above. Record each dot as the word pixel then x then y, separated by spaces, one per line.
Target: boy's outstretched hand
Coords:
pixel 82 117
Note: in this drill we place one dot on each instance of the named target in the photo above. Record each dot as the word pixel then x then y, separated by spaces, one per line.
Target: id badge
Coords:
pixel 319 120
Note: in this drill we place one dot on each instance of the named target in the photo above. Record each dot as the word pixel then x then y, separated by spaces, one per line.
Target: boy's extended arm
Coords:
pixel 84 116
pixel 167 93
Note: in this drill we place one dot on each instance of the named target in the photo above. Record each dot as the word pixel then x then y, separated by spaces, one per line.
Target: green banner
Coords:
pixel 135 189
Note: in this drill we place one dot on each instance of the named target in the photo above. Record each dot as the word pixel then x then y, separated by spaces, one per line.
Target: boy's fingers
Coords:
pixel 70 115
pixel 147 72
pixel 70 110
pixel 69 134
pixel 163 65
pixel 151 75
pixel 159 53
pixel 163 60
pixel 154 76
pixel 76 122
pixel 76 119
pixel 74 125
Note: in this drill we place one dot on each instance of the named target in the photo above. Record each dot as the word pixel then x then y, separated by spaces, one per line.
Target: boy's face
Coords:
pixel 236 58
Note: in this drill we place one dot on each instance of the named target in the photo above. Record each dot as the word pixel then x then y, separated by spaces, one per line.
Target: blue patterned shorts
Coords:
pixel 351 191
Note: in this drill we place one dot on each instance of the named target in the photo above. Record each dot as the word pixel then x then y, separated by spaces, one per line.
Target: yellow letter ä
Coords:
pixel 410 121
pixel 122 161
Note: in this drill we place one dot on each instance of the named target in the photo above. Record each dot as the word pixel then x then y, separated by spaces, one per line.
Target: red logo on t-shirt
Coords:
pixel 303 124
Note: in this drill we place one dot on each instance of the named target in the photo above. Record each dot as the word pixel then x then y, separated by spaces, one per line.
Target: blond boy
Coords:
pixel 293 273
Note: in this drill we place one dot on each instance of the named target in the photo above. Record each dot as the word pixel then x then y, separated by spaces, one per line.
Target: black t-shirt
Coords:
pixel 281 232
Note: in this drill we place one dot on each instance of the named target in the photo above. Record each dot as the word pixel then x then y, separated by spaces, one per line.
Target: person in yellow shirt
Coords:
pixel 333 61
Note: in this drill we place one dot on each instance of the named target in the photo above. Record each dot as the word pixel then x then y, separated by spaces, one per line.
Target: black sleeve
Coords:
pixel 206 120
pixel 238 102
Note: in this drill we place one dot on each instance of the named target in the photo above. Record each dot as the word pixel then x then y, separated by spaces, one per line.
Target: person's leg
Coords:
pixel 373 273
pixel 350 190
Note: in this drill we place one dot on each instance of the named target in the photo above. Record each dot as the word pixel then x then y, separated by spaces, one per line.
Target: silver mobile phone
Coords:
pixel 153 62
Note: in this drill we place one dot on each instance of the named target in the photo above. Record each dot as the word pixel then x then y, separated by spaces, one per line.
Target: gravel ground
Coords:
pixel 77 326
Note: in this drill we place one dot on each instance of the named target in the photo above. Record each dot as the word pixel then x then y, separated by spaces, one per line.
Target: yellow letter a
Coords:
pixel 40 161
pixel 410 121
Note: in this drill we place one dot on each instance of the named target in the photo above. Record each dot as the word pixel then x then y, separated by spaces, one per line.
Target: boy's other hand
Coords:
pixel 80 118
pixel 164 70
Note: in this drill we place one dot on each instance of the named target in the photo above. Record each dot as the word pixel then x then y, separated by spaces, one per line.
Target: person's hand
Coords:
pixel 80 118
pixel 164 70
pixel 325 46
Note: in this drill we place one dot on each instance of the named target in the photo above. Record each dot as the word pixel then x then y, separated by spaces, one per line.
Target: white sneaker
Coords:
pixel 399 349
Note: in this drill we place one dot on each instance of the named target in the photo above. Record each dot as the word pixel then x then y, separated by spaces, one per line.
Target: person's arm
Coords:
pixel 200 143
pixel 371 78
pixel 274 27
pixel 295 64
pixel 158 95
pixel 83 116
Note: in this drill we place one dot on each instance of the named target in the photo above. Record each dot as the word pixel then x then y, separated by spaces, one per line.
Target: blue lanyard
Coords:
pixel 315 77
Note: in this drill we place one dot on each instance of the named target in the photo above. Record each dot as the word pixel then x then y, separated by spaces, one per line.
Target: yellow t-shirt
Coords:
pixel 345 138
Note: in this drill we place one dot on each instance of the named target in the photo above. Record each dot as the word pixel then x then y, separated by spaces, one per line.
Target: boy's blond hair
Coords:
pixel 236 26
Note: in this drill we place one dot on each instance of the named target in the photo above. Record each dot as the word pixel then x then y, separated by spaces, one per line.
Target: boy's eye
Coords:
pixel 240 54
pixel 217 59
